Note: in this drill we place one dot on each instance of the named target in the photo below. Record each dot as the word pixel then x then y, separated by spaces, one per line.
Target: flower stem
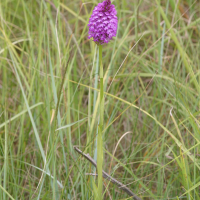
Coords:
pixel 99 137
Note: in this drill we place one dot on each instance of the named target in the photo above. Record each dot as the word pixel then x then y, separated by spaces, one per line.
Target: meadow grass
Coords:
pixel 49 100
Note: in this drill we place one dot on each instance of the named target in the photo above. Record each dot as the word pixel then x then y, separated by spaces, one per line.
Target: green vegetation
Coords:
pixel 49 100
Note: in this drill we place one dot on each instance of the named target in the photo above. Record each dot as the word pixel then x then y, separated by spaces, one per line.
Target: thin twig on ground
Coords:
pixel 108 177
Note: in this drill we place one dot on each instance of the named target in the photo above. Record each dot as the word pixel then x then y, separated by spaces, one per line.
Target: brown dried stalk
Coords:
pixel 108 177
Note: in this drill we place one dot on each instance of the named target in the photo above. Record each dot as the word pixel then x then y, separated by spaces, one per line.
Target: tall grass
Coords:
pixel 48 105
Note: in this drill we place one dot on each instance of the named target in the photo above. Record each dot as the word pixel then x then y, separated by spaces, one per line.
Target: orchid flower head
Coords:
pixel 103 23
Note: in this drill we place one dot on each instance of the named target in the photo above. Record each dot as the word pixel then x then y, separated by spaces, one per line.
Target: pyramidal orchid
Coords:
pixel 102 25
pixel 103 22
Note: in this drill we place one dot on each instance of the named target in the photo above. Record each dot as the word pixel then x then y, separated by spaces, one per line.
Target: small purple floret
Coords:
pixel 103 22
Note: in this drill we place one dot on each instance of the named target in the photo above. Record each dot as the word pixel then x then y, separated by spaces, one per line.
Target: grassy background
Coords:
pixel 151 106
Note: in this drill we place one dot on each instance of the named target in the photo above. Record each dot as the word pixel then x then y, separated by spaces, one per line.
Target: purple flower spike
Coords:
pixel 103 23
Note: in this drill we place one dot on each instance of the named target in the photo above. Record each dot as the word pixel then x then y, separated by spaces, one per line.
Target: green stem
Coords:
pixel 99 137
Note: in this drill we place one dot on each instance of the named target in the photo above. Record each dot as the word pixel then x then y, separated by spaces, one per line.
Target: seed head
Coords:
pixel 103 23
